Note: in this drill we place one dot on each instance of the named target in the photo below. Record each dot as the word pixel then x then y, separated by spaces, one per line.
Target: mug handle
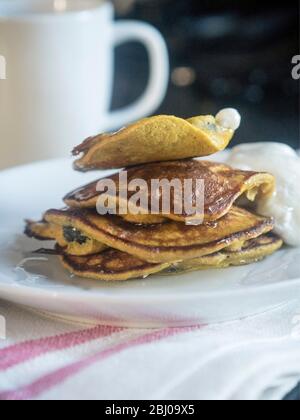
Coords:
pixel 155 92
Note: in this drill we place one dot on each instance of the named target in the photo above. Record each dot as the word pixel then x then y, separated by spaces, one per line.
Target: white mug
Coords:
pixel 59 75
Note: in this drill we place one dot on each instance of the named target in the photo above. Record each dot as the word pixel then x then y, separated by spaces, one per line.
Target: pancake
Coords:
pixel 154 139
pixel 167 242
pixel 114 265
pixel 110 265
pixel 67 237
pixel 223 186
pixel 250 252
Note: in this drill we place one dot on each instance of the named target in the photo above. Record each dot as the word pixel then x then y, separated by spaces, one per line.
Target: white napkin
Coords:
pixel 252 359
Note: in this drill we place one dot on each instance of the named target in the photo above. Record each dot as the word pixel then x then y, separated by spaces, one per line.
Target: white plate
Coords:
pixel 41 283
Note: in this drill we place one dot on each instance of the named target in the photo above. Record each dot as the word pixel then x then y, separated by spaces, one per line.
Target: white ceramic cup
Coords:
pixel 59 75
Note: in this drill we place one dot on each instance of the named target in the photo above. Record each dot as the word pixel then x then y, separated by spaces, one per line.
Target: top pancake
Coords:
pixel 156 139
pixel 223 186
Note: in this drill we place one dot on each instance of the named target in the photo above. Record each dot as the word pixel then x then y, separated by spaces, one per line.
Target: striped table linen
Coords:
pixel 256 358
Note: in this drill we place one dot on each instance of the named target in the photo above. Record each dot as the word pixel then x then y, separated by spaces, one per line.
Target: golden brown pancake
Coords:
pixel 250 252
pixel 154 139
pixel 112 265
pixel 67 237
pixel 167 242
pixel 223 186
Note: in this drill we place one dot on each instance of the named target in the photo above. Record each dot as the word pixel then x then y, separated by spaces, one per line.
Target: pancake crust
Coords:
pixel 168 242
pixel 114 265
pixel 160 138
pixel 223 186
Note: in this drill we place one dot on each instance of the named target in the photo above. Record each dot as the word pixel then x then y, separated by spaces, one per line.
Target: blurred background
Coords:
pixel 223 53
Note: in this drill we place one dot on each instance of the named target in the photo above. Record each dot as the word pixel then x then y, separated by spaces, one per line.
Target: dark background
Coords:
pixel 223 53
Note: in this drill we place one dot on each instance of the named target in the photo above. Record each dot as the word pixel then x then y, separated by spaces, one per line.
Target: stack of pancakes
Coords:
pixel 126 246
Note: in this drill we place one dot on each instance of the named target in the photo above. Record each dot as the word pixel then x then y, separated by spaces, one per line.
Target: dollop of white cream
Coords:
pixel 284 163
pixel 229 118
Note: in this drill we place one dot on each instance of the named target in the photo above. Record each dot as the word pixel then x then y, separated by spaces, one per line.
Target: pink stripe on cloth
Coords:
pixel 52 379
pixel 22 352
